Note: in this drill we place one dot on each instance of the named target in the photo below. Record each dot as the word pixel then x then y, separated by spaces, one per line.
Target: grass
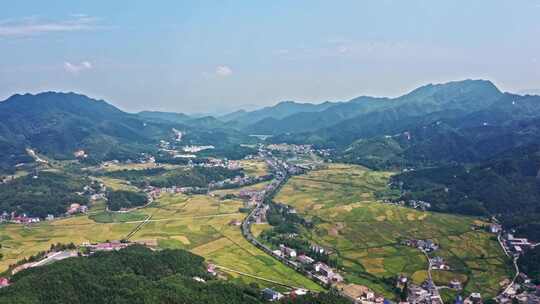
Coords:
pixel 23 241
pixel 117 184
pixel 115 217
pixel 366 233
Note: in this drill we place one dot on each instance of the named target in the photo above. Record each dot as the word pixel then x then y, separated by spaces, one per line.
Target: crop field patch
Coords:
pixel 198 223
pixel 369 242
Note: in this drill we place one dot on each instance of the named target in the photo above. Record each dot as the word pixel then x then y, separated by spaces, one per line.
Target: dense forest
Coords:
pixel 505 186
pixel 183 177
pixel 132 275
pixel 135 274
pixel 120 199
pixel 48 193
pixel 530 264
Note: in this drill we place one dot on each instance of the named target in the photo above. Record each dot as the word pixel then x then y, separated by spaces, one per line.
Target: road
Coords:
pixel 246 232
pixel 434 290
pixel 515 262
pixel 516 267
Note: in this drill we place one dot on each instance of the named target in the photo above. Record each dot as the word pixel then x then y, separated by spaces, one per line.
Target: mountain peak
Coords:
pixel 461 86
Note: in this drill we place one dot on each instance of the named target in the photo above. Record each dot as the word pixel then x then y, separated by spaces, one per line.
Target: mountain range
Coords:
pixel 58 124
pixel 460 121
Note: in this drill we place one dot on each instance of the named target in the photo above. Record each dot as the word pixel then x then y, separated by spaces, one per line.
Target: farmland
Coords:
pixel 342 201
pixel 198 223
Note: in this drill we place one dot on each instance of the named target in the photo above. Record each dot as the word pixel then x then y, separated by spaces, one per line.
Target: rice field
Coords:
pixel 198 223
pixel 366 233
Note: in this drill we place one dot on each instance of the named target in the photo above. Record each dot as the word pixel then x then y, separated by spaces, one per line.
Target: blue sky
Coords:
pixel 203 56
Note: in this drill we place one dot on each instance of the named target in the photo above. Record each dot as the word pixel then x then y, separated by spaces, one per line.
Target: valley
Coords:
pixel 401 205
pixel 345 203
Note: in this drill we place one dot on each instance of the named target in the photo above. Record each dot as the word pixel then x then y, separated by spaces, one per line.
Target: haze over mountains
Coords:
pixel 453 122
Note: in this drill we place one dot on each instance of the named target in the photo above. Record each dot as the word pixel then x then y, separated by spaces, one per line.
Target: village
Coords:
pixel 308 263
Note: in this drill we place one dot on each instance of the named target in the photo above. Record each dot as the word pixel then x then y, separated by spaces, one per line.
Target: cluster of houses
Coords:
pixel 427 293
pixel 13 217
pixel 195 149
pixel 516 246
pixel 298 149
pixel 438 263
pixel 523 291
pixel 319 270
pixel 155 192
pixel 424 245
pixel 252 197
pixel 76 208
pixel 362 294
pixel 239 181
pixel 106 246
pixel 416 204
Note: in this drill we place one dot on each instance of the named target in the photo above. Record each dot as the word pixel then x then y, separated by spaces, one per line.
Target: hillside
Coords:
pixel 136 274
pixel 50 193
pixel 132 275
pixel 381 114
pixel 473 138
pixel 506 186
pixel 278 111
pixel 58 124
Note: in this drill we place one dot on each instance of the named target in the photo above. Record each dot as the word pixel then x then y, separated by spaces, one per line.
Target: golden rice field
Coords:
pixel 198 223
pixel 365 233
pixel 254 167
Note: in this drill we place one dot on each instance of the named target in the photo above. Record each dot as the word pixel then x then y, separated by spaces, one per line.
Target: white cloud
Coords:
pixel 76 68
pixel 223 71
pixel 35 26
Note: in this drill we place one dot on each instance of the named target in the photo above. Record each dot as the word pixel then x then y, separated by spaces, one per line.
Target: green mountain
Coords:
pixel 366 117
pixel 165 116
pixel 451 137
pixel 137 274
pixel 507 186
pixel 58 124
pixel 279 111
pixel 368 112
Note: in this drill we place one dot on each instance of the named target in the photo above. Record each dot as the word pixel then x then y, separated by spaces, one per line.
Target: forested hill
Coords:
pixel 369 116
pixel 134 275
pixel 58 124
pixel 507 186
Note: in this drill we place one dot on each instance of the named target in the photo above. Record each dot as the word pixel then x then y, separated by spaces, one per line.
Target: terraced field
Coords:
pixel 198 223
pixel 366 233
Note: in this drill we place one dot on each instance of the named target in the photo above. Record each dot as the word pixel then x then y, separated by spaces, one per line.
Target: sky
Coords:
pixel 214 56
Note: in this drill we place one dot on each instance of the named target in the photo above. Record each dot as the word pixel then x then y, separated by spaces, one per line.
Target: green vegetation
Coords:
pixel 343 202
pixel 185 177
pixel 49 193
pixel 132 275
pixel 529 264
pixel 506 187
pixel 115 217
pixel 136 274
pixel 198 223
pixel 120 199
pixel 490 188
